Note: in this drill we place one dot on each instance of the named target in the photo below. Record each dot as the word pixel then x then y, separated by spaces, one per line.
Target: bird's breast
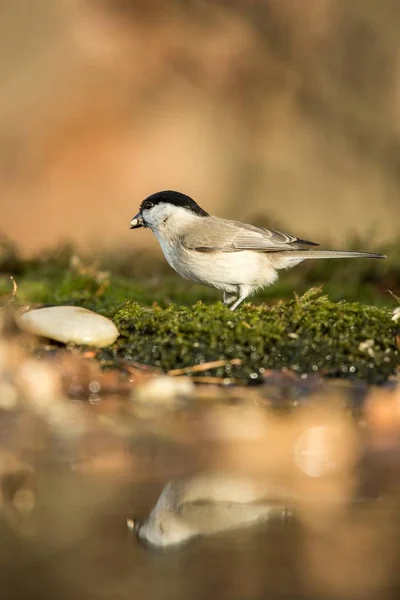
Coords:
pixel 177 257
pixel 190 264
pixel 223 270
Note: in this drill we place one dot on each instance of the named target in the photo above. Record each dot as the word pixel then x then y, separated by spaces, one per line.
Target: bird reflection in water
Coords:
pixel 202 505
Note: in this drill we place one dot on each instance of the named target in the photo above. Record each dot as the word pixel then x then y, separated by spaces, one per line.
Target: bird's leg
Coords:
pixel 238 301
pixel 229 297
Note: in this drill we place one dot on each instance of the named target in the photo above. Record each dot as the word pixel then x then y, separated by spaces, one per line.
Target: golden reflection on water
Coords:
pixel 65 508
pixel 235 496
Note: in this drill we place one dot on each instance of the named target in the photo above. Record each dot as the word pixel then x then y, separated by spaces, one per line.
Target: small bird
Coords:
pixel 234 257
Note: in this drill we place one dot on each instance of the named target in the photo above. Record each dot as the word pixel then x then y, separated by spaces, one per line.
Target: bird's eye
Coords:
pixel 148 205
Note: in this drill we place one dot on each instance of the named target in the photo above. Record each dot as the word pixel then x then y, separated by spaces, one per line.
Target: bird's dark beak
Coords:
pixel 137 221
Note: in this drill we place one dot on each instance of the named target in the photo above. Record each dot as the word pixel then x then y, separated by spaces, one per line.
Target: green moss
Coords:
pixel 310 334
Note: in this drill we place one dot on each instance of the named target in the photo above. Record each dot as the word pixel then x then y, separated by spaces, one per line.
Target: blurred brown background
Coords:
pixel 286 110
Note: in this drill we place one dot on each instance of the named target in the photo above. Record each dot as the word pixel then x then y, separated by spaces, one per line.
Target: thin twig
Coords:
pixel 137 365
pixel 397 298
pixel 7 299
pixel 216 380
pixel 15 286
pixel 214 364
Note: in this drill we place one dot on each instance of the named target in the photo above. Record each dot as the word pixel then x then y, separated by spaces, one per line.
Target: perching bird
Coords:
pixel 234 257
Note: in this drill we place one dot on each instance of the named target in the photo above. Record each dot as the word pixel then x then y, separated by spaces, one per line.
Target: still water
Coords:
pixel 73 475
pixel 76 545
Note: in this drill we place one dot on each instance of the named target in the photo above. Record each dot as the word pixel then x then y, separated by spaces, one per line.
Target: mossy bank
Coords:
pixel 315 333
pixel 310 334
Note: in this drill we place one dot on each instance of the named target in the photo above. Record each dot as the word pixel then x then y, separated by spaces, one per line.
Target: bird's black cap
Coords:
pixel 175 198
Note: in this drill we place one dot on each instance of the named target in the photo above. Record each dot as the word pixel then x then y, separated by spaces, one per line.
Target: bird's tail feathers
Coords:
pixel 305 254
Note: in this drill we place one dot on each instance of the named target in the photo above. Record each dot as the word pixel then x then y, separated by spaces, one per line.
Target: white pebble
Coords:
pixel 70 324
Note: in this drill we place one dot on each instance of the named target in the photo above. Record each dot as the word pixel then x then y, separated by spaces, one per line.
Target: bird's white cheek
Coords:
pixel 147 218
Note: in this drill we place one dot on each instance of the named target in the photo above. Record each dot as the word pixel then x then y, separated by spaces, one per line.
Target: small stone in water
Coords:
pixel 164 390
pixel 70 324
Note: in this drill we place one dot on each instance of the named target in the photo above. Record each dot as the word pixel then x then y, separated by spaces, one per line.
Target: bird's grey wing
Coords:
pixel 232 236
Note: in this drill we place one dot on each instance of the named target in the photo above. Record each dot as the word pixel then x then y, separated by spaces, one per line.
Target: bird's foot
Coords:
pixel 229 298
